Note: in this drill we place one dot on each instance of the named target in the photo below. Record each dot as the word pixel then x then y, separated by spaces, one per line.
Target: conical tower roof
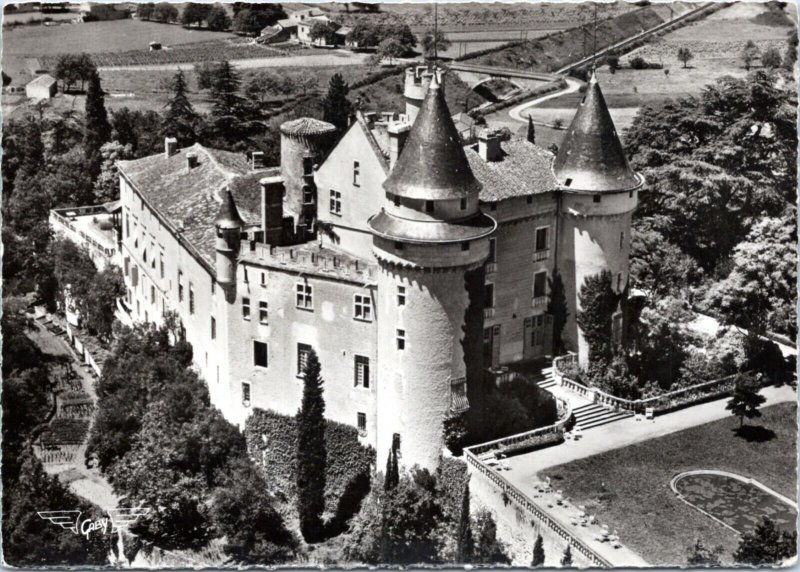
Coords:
pixel 228 215
pixel 432 165
pixel 591 157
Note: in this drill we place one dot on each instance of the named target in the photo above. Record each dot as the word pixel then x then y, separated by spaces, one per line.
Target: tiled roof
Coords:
pixel 190 199
pixel 43 80
pixel 523 170
pixel 307 126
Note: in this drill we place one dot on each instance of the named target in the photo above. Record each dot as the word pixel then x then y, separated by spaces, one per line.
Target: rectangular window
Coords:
pixel 191 299
pixel 264 279
pixel 161 265
pixel 621 240
pixel 260 357
pixel 127 263
pixel 308 195
pixel 401 295
pixel 363 307
pixel 308 165
pixel 537 330
pixel 127 226
pixel 396 201
pixel 597 198
pixel 303 351
pixel 263 312
pixel 492 251
pixel 362 371
pixel 543 238
pixel 540 284
pixel 619 282
pixel 463 205
pixel 180 286
pixel 428 206
pixel 305 297
pixel 489 296
pixel 465 246
pixel 213 328
pixel 245 393
pixel 361 419
pixel 401 339
pixel 336 202
pixel 152 294
pixel 213 287
pixel 246 276
pixel 246 308
pixel 356 174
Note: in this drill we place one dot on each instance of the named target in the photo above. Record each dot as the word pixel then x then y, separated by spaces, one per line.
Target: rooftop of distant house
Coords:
pixel 189 198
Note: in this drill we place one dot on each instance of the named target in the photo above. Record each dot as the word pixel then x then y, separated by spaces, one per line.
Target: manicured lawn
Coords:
pixel 629 488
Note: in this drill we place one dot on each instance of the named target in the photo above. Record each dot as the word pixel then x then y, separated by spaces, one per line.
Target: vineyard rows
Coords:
pixel 191 53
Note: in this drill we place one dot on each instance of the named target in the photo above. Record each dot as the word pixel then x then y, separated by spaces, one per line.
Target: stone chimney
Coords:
pixel 489 146
pixel 398 133
pixel 272 191
pixel 191 160
pixel 170 147
pixel 369 118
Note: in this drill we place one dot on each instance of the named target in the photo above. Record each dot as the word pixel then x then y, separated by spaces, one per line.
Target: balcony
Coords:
pixel 488 313
pixel 541 255
pixel 539 301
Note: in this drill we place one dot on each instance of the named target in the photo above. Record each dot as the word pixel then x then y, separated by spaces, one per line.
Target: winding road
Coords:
pixel 573 85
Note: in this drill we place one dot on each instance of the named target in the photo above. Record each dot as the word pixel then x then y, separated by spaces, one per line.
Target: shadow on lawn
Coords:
pixel 754 433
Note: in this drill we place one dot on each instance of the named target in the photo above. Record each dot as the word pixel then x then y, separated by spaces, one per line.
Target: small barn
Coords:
pixel 43 87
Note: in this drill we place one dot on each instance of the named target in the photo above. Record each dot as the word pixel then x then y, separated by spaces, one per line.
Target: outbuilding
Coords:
pixel 43 87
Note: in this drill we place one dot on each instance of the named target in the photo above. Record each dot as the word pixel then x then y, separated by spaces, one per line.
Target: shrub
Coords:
pixel 271 439
pixel 639 63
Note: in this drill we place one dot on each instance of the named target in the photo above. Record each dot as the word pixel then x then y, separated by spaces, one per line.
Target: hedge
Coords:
pixel 271 442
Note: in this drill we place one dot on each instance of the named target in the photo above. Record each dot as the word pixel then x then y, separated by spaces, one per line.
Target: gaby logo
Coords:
pixel 118 519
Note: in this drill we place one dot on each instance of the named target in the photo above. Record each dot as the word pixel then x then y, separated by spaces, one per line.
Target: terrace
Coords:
pixel 94 227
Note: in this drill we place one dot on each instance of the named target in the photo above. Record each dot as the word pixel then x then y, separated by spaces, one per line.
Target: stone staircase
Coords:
pixel 545 379
pixel 594 415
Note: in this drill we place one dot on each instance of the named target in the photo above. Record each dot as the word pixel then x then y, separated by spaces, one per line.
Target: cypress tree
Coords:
pixel 531 134
pixel 311 452
pixel 336 108
pixel 180 118
pixel 392 471
pixel 464 539
pixel 566 559
pixel 538 552
pixel 97 128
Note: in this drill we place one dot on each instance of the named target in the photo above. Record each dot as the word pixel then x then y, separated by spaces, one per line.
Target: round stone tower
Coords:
pixel 598 196
pixel 431 242
pixel 303 143
pixel 417 80
pixel 228 226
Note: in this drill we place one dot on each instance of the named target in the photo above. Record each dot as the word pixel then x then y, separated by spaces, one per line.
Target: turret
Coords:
pixel 303 143
pixel 417 80
pixel 431 242
pixel 598 196
pixel 228 226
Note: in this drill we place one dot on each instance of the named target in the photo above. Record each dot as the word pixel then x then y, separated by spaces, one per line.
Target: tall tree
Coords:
pixel 566 559
pixel 97 129
pixel 749 54
pixel 557 308
pixel 685 55
pixel 766 545
pixel 311 452
pixel 336 108
pixel 392 471
pixel 530 134
pixel 218 19
pixel 231 117
pixel 180 118
pixel 434 43
pixel 464 540
pixel 488 549
pixel 537 559
pixel 746 398
pixel 598 303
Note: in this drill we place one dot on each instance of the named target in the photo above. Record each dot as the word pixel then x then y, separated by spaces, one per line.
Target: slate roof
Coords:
pixel 591 157
pixel 432 164
pixel 524 169
pixel 190 199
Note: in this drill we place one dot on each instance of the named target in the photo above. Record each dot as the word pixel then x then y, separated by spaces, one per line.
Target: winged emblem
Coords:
pixel 122 518
pixel 66 519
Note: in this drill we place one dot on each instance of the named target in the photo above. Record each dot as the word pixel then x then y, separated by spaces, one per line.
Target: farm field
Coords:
pixel 715 41
pixel 634 495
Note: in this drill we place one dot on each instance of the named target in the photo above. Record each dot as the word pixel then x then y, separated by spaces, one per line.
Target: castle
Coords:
pixel 408 261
